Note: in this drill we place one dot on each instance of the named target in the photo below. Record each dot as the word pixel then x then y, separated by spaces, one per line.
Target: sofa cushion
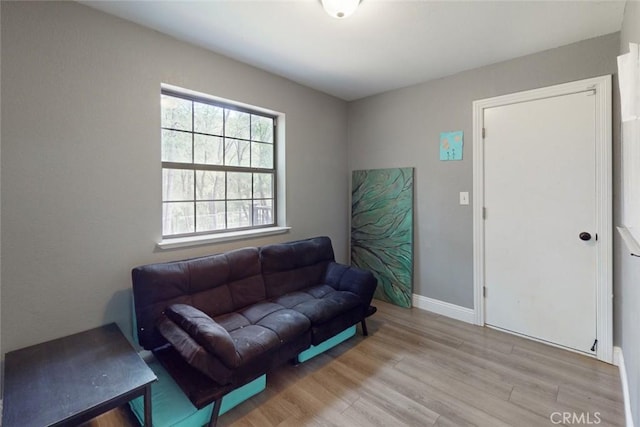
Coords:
pixel 286 324
pixel 289 267
pixel 232 321
pixel 320 291
pixel 261 327
pixel 155 287
pixel 257 312
pixel 252 341
pixel 205 331
pixel 319 303
pixel 268 333
pixel 193 353
pixel 245 277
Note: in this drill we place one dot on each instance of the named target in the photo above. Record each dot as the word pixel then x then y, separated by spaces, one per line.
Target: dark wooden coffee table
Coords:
pixel 71 380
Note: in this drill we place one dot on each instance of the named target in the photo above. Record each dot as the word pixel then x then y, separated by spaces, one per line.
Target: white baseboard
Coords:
pixel 444 308
pixel 618 360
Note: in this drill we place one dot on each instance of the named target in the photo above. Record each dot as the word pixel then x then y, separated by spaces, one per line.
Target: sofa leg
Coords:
pixel 215 413
pixel 369 312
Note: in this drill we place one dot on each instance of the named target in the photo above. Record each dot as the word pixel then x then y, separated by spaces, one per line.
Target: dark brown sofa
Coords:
pixel 220 321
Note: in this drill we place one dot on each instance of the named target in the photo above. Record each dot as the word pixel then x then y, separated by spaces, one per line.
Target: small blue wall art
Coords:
pixel 451 145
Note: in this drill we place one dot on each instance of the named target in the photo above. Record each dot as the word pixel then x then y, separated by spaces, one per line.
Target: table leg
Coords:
pixel 215 413
pixel 147 406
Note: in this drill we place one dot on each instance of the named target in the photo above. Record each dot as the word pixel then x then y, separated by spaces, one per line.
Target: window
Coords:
pixel 629 85
pixel 218 166
pixel 630 229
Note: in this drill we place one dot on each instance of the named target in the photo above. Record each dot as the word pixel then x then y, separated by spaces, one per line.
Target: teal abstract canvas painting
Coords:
pixel 382 230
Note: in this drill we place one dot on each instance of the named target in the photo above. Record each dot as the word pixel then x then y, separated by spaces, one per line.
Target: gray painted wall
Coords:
pixel 81 194
pixel 80 162
pixel 627 272
pixel 402 128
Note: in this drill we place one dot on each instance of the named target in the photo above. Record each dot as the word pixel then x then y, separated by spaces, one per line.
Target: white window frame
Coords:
pixel 629 81
pixel 630 163
pixel 279 226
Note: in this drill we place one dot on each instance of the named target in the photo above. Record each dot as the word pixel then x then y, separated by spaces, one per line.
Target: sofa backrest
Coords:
pixel 288 267
pixel 214 284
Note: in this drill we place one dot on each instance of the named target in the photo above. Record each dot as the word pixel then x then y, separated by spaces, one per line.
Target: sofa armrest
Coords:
pixel 356 280
pixel 205 331
pixel 193 353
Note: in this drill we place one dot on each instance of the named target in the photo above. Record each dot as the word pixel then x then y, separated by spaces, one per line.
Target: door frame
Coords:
pixel 604 288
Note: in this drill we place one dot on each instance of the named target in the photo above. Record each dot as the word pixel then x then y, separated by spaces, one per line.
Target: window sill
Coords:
pixel 184 242
pixel 631 240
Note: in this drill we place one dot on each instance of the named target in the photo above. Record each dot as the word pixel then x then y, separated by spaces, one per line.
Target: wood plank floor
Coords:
pixel 420 369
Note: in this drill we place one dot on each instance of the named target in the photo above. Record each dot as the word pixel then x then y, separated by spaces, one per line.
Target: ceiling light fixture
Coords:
pixel 340 8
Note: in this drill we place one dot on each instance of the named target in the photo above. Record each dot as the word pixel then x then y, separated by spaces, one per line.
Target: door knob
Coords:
pixel 585 236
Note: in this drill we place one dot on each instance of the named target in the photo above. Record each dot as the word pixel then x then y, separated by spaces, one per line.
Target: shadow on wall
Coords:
pixel 119 309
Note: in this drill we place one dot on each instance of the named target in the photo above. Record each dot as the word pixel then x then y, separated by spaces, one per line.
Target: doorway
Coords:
pixel 542 215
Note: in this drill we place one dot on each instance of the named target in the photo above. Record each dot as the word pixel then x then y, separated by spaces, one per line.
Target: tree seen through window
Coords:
pixel 218 167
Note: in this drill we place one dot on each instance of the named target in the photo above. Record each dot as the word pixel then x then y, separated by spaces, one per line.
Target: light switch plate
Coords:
pixel 464 197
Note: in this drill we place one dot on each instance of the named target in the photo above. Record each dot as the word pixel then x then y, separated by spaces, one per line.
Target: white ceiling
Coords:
pixel 385 45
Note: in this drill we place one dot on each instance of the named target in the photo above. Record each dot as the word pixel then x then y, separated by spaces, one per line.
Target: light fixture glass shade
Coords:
pixel 340 8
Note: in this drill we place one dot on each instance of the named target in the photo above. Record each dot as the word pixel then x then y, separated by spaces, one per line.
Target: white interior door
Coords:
pixel 540 195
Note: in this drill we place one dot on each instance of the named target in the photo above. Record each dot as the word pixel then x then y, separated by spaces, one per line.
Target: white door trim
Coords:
pixel 604 290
